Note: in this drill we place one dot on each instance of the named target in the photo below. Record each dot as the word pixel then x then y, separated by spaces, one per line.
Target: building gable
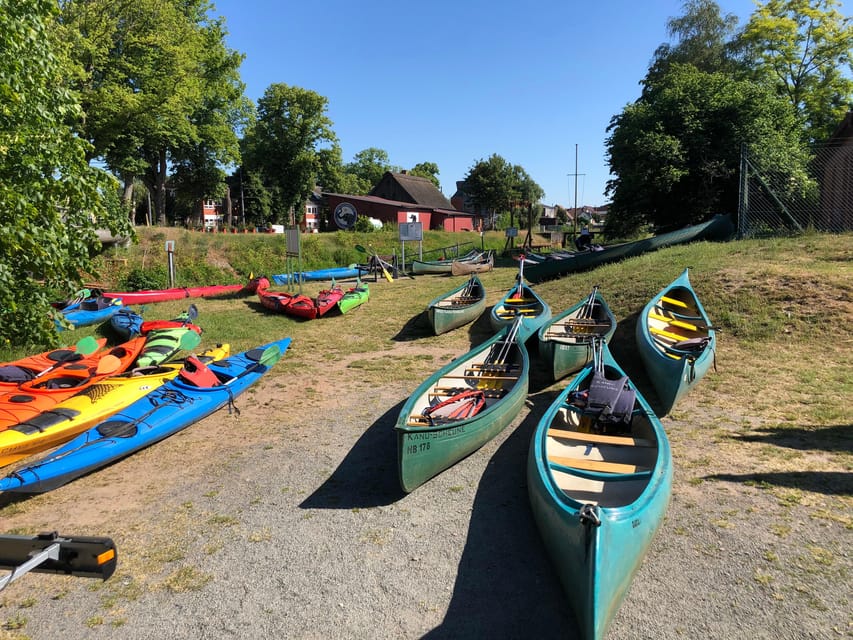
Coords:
pixel 404 187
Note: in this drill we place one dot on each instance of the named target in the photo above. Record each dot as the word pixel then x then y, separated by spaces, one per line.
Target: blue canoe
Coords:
pixel 163 412
pixel 598 495
pixel 334 273
pixel 676 341
pixel 89 311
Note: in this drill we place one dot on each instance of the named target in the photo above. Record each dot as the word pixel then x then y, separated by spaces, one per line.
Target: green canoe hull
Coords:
pixel 673 372
pixel 566 351
pixel 596 562
pixel 457 308
pixel 424 451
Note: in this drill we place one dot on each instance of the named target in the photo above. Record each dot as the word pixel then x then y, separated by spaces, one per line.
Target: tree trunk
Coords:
pixel 160 191
pixel 229 212
pixel 127 198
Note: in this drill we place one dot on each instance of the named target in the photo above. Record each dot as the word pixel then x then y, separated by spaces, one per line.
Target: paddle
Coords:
pixel 192 314
pixel 84 347
pixel 379 261
pixel 189 341
pixel 108 364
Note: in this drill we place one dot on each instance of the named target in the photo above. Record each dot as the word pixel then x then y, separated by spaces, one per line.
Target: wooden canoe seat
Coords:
pixel 600 438
pixel 596 465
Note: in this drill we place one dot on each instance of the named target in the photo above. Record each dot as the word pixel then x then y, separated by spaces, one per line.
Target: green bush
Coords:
pixel 138 279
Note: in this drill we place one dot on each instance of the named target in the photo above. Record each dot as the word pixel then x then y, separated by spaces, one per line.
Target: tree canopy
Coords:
pixel 804 48
pixel 283 145
pixel 782 81
pixel 51 200
pixel 496 185
pixel 159 89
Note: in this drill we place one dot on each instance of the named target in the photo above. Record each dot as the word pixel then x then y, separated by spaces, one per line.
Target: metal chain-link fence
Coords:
pixel 773 204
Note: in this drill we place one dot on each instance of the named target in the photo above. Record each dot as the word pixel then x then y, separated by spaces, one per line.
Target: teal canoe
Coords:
pixel 676 341
pixel 521 301
pixel 598 489
pixel 460 306
pixel 354 297
pixel 719 227
pixel 565 342
pixel 461 407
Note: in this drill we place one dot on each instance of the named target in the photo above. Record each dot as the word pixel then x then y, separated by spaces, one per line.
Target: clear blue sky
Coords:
pixel 453 82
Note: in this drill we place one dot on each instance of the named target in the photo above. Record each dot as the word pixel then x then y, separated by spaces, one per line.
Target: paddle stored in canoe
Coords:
pixel 460 306
pixel 88 407
pixel 354 297
pixel 520 301
pixel 566 341
pixel 194 394
pixel 598 492
pixel 461 407
pixel 676 341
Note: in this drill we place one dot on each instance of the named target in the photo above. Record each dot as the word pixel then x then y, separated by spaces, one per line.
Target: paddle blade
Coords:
pixel 270 356
pixel 190 340
pixel 360 249
pixel 86 346
pixel 192 313
pixel 108 364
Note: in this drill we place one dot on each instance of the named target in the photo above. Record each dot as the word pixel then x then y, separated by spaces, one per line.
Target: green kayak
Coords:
pixel 354 297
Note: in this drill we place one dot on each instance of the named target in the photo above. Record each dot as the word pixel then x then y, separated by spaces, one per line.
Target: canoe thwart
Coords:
pixel 600 438
pixel 596 465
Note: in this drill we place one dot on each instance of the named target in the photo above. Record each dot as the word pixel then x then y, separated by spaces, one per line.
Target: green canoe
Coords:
pixel 457 308
pixel 565 343
pixel 354 297
pixel 461 407
pixel 520 302
pixel 599 485
pixel 676 341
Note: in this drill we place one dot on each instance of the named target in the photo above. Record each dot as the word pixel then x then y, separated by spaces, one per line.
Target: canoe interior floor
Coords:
pixel 598 492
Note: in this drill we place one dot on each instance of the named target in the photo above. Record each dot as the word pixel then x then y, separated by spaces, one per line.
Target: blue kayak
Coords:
pixel 198 391
pixel 334 273
pixel 90 311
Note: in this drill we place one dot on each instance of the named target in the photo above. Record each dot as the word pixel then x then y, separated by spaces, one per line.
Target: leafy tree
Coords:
pixel 283 145
pixel 496 185
pixel 704 38
pixel 803 48
pixel 158 86
pixel 675 152
pixel 368 166
pixel 428 170
pixel 51 200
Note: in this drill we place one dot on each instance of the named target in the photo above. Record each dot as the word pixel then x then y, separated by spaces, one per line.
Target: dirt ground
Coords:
pixel 287 521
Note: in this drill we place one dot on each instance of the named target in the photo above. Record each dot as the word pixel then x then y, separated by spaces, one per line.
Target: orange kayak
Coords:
pixel 42 393
pixel 15 372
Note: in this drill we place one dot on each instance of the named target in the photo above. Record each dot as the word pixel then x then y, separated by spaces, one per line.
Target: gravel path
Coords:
pixel 304 533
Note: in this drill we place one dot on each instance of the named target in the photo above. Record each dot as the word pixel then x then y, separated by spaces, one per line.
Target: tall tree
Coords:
pixel 428 170
pixel 496 185
pixel 804 49
pixel 158 86
pixel 51 200
pixel 369 165
pixel 675 152
pixel 283 145
pixel 703 37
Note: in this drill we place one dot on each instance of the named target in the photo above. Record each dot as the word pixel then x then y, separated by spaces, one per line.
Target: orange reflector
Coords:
pixel 106 556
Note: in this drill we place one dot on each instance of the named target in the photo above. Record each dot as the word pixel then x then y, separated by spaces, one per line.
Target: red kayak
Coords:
pixel 178 293
pixel 272 300
pixel 327 299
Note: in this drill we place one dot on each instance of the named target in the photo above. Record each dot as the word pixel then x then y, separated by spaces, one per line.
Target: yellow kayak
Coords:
pixel 78 413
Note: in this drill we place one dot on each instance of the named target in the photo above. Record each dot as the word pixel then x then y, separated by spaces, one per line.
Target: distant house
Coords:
pixel 399 198
pixel 311 220
pixel 462 201
pixel 836 179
